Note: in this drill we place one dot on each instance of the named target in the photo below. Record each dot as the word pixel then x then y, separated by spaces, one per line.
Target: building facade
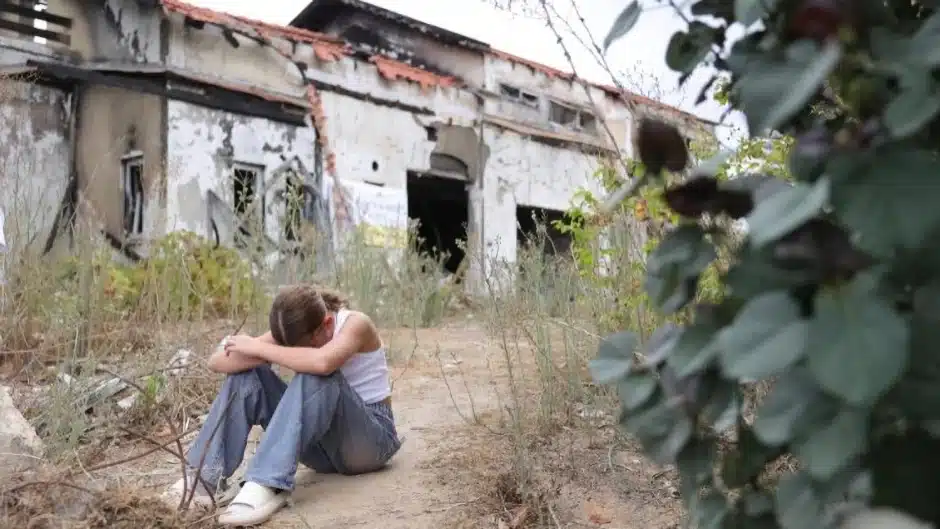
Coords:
pixel 150 116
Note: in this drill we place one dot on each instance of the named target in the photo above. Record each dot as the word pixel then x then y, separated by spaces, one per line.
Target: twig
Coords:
pixel 22 486
pixel 202 459
pixel 166 417
pixel 135 457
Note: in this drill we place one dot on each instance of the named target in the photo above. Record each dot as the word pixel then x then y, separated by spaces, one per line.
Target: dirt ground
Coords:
pixel 449 399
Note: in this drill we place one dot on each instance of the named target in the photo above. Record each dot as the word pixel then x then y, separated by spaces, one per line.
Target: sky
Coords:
pixel 636 60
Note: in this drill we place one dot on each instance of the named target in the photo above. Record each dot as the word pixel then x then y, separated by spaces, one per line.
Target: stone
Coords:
pixel 20 448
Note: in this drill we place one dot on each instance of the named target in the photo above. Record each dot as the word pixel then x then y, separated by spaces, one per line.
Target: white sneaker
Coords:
pixel 201 497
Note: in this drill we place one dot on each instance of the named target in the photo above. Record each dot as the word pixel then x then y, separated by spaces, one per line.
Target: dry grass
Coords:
pixel 546 454
pixel 52 504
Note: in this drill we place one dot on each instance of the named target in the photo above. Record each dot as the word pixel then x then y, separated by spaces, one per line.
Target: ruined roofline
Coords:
pixel 322 12
pixel 319 12
pixel 326 48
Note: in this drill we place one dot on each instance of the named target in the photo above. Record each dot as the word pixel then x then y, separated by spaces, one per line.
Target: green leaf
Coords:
pixel 695 463
pixel 794 406
pixel 883 518
pixel 674 266
pixel 786 210
pixel 757 273
pixel 748 12
pixel 686 49
pixel 913 108
pixel 636 389
pixel 767 336
pixel 710 511
pixel 885 217
pixel 926 41
pixel 858 343
pixel 723 405
pixel 614 357
pixel 772 92
pixel 694 349
pixel 743 465
pixel 663 429
pixel 661 344
pixel 797 504
pixel 623 24
pixel 828 450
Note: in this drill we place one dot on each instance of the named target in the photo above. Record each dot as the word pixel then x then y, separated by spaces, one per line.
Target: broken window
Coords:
pixel 517 95
pixel 246 190
pixel 294 206
pixel 132 184
pixel 31 19
pixel 573 118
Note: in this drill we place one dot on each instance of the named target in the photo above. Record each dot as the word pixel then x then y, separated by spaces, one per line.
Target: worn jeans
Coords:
pixel 319 421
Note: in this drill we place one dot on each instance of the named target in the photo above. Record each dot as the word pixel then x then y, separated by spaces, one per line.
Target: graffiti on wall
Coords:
pixel 293 198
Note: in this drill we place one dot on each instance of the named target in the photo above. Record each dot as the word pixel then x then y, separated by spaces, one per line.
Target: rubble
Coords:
pixel 20 446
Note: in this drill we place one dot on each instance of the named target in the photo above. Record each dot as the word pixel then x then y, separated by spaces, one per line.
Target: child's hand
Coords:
pixel 243 344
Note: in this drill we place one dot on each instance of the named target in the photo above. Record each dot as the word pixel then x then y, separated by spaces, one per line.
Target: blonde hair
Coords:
pixel 298 311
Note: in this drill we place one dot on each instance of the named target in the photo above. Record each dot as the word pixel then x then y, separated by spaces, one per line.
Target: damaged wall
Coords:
pixel 521 172
pixel 548 83
pixel 114 123
pixel 203 146
pixel 409 45
pixel 208 51
pixel 116 30
pixel 34 159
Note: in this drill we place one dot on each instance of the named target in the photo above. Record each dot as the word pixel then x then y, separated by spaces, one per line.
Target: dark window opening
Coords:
pixel 517 95
pixel 246 184
pixel 570 117
pixel 293 209
pixel 536 228
pixel 132 182
pixel 441 208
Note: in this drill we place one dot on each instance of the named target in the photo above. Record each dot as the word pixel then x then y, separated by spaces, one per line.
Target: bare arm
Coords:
pixel 234 362
pixel 357 336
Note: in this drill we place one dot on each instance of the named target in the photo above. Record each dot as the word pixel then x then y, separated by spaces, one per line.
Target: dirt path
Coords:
pixel 409 493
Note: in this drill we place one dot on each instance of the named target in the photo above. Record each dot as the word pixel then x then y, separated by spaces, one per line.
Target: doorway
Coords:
pixel 536 226
pixel 441 207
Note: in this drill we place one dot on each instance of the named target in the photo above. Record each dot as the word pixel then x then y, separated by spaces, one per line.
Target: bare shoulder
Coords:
pixel 359 319
pixel 361 325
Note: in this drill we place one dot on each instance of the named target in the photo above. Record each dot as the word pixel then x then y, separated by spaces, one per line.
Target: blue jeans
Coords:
pixel 319 421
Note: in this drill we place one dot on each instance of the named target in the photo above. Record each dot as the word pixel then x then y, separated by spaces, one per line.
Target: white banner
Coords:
pixel 379 213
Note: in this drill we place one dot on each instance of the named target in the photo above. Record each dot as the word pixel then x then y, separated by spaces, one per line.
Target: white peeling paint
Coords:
pixel 34 160
pixel 202 145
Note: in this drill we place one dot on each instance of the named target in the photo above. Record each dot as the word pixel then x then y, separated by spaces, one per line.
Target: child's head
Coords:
pixel 304 315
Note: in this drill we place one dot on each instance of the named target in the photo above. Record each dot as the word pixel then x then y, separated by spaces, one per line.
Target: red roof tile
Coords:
pixel 326 47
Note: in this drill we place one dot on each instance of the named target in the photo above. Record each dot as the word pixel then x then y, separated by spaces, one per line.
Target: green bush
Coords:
pixel 834 291
pixel 186 275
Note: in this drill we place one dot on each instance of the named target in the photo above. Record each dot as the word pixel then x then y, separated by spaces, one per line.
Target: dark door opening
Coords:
pixel 441 207
pixel 536 226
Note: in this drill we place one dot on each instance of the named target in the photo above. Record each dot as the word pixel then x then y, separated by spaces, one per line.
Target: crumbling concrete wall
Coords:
pixel 208 51
pixel 113 124
pixel 203 146
pixel 34 159
pixel 410 45
pixel 522 172
pixel 549 84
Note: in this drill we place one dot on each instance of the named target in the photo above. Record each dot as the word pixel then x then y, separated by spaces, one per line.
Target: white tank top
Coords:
pixel 367 373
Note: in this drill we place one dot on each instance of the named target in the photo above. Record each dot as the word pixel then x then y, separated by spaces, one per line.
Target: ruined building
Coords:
pixel 147 116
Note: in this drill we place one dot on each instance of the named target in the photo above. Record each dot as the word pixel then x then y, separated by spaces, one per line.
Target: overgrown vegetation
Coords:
pixel 831 291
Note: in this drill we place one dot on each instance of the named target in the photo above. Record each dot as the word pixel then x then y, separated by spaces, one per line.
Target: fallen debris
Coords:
pixel 20 446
